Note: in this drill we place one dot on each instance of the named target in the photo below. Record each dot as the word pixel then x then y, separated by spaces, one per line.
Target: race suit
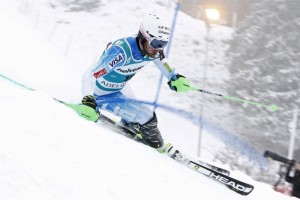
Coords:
pixel 121 60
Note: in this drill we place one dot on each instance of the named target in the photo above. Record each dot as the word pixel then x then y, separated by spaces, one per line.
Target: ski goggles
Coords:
pixel 157 44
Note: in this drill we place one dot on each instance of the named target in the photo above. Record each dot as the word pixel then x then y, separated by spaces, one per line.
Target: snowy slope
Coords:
pixel 48 152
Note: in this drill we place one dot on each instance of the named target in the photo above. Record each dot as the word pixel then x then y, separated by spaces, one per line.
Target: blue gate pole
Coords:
pixel 167 53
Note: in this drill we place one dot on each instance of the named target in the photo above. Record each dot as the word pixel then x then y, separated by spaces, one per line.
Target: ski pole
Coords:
pixel 82 110
pixel 271 107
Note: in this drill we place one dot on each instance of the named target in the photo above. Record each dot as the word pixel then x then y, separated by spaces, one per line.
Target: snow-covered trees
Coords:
pixel 265 67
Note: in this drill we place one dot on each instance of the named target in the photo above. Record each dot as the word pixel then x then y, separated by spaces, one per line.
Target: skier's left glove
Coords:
pixel 179 83
pixel 90 101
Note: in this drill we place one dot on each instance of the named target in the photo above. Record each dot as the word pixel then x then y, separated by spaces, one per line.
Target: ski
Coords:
pixel 130 134
pixel 108 122
pixel 233 184
pixel 215 168
pixel 219 174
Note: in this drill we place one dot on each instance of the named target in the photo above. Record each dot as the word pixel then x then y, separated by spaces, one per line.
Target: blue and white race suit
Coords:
pixel 118 64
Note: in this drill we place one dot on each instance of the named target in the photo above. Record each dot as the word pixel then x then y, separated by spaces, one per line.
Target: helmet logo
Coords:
pixel 164 30
pixel 154 26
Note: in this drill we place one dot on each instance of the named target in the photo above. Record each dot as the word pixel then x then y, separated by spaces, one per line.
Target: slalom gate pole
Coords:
pixel 167 54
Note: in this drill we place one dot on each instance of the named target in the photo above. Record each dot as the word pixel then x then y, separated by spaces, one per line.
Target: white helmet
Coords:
pixel 155 30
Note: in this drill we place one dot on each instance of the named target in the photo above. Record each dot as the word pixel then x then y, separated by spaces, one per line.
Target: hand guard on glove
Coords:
pixel 179 83
pixel 90 101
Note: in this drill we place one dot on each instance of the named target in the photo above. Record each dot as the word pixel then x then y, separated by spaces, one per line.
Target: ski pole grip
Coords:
pixel 274 156
pixel 267 153
pixel 278 157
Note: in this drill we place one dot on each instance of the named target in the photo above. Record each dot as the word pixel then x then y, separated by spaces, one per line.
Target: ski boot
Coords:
pixel 148 133
pixel 172 152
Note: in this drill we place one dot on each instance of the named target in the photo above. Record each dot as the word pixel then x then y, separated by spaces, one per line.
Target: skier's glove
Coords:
pixel 90 101
pixel 292 162
pixel 179 83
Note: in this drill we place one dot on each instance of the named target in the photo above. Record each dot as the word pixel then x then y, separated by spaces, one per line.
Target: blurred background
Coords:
pixel 231 12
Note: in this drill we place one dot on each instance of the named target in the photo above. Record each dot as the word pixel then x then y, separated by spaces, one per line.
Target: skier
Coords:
pixel 119 62
pixel 295 179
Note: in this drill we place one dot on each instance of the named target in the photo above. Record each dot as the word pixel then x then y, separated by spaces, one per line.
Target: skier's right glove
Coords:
pixel 90 101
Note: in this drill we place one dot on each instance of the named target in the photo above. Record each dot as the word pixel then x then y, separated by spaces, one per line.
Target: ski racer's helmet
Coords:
pixel 155 31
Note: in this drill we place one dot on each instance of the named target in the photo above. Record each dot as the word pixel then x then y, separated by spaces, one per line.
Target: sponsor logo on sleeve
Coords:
pixel 167 67
pixel 100 73
pixel 119 58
